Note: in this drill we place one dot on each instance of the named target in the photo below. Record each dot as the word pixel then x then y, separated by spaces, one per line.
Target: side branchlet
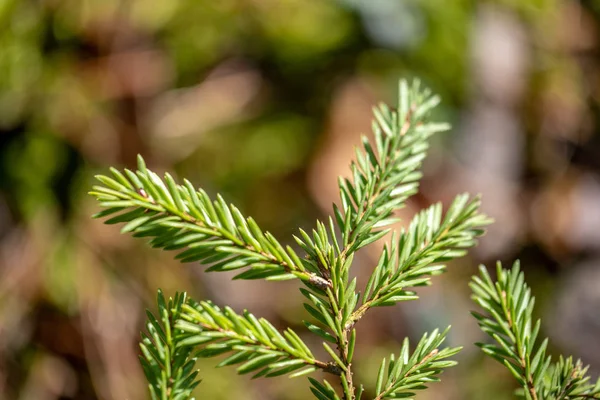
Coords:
pixel 167 361
pixel 507 306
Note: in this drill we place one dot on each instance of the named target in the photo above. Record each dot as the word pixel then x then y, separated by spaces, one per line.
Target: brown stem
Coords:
pixel 348 374
pixel 342 346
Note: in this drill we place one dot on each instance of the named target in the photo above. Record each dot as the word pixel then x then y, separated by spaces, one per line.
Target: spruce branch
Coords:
pixel 167 363
pixel 409 372
pixel 212 232
pixel 386 173
pixel 383 179
pixel 421 251
pixel 507 319
pixel 254 342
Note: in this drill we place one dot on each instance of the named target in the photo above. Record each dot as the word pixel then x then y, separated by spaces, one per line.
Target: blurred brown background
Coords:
pixel 263 101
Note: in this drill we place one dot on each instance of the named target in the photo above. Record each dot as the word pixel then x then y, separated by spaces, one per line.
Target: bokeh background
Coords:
pixel 263 101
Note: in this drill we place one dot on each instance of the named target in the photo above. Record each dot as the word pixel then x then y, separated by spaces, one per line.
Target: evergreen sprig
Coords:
pixel 421 251
pixel 507 319
pixel 167 362
pixel 408 372
pixel 256 343
pixel 384 174
pixel 182 217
